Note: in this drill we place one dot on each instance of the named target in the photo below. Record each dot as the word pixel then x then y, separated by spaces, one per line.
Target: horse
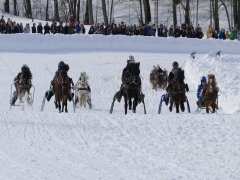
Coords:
pixel 62 88
pixel 23 86
pixel 177 91
pixel 157 79
pixel 132 87
pixel 82 89
pixel 209 93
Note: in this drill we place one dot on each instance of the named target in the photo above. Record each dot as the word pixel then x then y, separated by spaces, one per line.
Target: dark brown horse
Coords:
pixel 23 85
pixel 210 93
pixel 156 78
pixel 132 87
pixel 62 88
pixel 177 91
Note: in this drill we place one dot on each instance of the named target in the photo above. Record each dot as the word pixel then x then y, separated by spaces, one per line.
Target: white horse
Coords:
pixel 83 90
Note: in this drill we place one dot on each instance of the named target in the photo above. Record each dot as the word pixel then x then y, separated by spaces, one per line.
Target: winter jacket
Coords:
pixel 151 32
pixel 170 32
pixel 177 33
pixel 77 29
pixel 200 87
pixel 26 30
pixel 47 29
pixel 227 36
pixel 39 29
pixel 233 35
pixel 34 30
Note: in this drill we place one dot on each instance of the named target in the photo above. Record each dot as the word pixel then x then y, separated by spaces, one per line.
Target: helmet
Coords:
pixel 175 64
pixel 61 63
pixel 24 67
pixel 203 79
pixel 130 59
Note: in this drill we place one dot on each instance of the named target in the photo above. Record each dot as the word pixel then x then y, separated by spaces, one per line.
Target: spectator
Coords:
pixel 2 19
pixel 177 32
pixel 15 28
pixel 165 31
pixel 60 28
pixel 47 29
pixel 82 30
pixel 34 28
pixel 4 28
pixel 21 28
pixel 209 32
pixel 222 35
pixel 151 31
pixel 199 33
pixel 227 35
pixel 66 29
pixel 26 29
pixel 136 32
pixel 170 31
pixel 40 28
pixel 77 28
pixel 91 30
pixel 114 30
pixel 233 34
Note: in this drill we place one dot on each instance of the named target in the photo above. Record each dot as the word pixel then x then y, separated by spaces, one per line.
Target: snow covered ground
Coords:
pixel 92 144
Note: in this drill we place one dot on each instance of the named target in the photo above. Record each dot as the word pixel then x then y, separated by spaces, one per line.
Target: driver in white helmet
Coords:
pixel 130 59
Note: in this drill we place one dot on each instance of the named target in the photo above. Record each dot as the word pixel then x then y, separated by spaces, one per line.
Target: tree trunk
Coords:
pixel 235 11
pixel 216 18
pixel 197 14
pixel 86 21
pixel 29 9
pixel 187 12
pixel 15 7
pixel 111 11
pixel 141 12
pixel 104 12
pixel 6 6
pixel 229 26
pixel 90 11
pixel 174 14
pixel 56 12
pixel 238 19
pixel 147 11
pixel 47 15
pixel 74 10
pixel 78 11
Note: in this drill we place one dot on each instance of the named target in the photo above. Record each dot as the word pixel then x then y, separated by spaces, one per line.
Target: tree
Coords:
pixel 187 11
pixel 15 7
pixel 47 15
pixel 174 7
pixel 56 12
pixel 226 9
pixel 28 8
pixel 147 11
pixel 6 6
pixel 104 12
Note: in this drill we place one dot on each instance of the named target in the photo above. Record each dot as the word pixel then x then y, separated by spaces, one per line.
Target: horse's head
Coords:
pixel 134 73
pixel 63 78
pixel 154 72
pixel 210 87
pixel 83 78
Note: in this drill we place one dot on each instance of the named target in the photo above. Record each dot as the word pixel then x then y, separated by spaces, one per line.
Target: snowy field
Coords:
pixel 92 144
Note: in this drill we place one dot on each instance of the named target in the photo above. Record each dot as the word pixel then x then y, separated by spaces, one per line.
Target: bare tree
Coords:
pixel 226 9
pixel 104 12
pixel 6 6
pixel 56 12
pixel 47 15
pixel 78 11
pixel 235 11
pixel 187 11
pixel 147 11
pixel 15 7
pixel 238 20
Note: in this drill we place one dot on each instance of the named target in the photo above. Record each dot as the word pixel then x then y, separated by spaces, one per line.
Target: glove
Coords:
pixel 186 86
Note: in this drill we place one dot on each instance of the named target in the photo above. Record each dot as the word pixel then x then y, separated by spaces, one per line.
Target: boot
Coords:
pixel 49 94
pixel 70 96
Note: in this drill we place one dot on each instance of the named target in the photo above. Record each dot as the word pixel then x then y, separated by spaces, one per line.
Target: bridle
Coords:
pixel 62 82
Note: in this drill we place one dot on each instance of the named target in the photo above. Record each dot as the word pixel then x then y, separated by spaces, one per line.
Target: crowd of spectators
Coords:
pixel 71 27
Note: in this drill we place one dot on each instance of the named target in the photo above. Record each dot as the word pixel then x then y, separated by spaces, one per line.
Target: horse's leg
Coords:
pixel 65 103
pixel 126 102
pixel 171 104
pixel 207 107
pixel 59 106
pixel 213 107
pixel 135 103
pixel 130 102
pixel 177 107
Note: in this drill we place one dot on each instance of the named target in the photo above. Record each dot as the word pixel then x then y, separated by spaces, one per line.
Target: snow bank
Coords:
pixel 79 43
pixel 225 68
